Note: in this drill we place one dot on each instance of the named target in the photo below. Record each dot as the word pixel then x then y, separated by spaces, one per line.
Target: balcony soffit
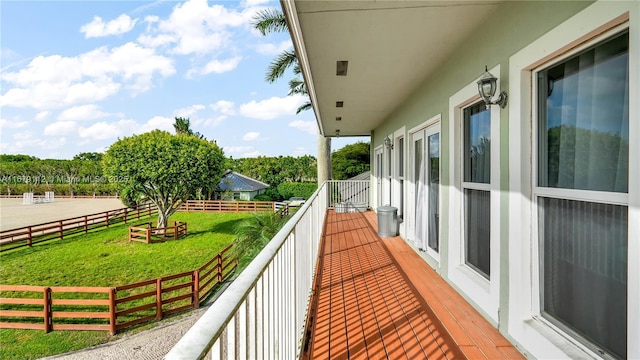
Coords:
pixel 391 46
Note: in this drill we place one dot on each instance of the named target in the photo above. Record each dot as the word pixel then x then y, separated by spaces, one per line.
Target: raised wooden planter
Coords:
pixel 146 233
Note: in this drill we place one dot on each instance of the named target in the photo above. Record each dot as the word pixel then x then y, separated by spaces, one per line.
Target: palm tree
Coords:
pixel 182 126
pixel 272 20
pixel 254 233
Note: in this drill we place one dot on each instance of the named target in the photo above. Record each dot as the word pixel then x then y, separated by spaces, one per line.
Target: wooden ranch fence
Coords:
pixel 30 235
pixel 146 233
pixel 228 206
pixel 112 308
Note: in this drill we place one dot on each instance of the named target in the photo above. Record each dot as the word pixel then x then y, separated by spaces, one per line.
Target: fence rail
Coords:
pixel 5 196
pixel 112 308
pixel 228 206
pixel 30 235
pixel 148 234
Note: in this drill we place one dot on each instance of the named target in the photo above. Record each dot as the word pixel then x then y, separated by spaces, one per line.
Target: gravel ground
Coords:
pixel 147 345
pixel 14 215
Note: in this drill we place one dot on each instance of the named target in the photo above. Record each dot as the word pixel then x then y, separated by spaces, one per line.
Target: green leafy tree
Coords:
pixel 166 169
pixel 351 160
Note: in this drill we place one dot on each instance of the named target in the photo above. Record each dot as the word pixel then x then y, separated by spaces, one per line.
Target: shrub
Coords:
pixel 262 197
pixel 291 189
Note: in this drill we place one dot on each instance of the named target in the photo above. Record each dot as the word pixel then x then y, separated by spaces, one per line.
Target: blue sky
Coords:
pixel 77 75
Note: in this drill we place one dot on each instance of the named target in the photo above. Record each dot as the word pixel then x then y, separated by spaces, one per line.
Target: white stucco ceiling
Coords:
pixel 391 46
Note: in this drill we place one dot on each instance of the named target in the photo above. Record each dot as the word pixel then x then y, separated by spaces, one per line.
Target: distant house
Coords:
pixel 235 186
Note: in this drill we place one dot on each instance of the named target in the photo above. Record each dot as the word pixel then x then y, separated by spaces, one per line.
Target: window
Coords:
pixel 433 143
pixel 583 163
pixel 477 177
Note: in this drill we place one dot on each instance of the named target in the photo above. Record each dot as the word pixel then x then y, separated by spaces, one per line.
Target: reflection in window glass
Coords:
pixel 584 127
pixel 477 144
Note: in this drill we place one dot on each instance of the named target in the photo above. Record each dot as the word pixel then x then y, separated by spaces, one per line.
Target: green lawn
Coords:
pixel 105 258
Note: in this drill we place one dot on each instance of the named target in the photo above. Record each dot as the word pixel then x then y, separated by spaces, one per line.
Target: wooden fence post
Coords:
pixel 126 210
pixel 112 311
pixel 149 234
pixel 175 230
pixel 61 230
pixel 48 321
pixel 138 211
pixel 159 298
pixel 219 267
pixel 195 290
pixel 29 237
pixel 107 219
pixel 86 225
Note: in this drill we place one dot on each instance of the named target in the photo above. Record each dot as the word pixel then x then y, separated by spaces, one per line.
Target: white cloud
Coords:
pixel 62 128
pixel 42 115
pixel 101 131
pixel 213 122
pixel 82 113
pixel 274 49
pixel 157 122
pixel 98 28
pixel 272 108
pixel 194 27
pixel 50 82
pixel 215 66
pixel 219 67
pixel 242 151
pixel 224 107
pixel 189 110
pixel 309 127
pixel 248 3
pixel 8 124
pixel 25 141
pixel 251 136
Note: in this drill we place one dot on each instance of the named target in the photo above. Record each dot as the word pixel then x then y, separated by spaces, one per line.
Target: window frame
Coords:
pixel 484 292
pixel 586 28
pixel 538 192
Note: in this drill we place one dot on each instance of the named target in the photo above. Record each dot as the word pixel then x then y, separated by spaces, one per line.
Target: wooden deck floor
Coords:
pixel 366 303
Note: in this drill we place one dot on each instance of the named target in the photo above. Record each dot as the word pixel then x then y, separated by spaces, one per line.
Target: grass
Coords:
pixel 105 258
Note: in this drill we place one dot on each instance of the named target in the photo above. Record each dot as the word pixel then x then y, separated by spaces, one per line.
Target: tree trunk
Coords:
pixel 324 159
pixel 163 220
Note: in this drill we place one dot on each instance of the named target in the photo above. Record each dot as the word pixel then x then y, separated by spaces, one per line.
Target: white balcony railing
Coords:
pixel 352 194
pixel 262 314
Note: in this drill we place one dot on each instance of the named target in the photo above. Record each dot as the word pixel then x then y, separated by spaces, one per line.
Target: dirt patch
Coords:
pixel 13 214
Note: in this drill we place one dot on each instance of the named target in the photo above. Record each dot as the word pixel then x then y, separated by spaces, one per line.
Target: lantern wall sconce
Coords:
pixel 487 86
pixel 388 143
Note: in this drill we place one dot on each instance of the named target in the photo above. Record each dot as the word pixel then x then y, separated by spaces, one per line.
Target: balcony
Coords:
pixel 364 297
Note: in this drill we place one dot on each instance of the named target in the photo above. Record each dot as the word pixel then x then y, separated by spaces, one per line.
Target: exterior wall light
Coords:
pixel 388 143
pixel 487 88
